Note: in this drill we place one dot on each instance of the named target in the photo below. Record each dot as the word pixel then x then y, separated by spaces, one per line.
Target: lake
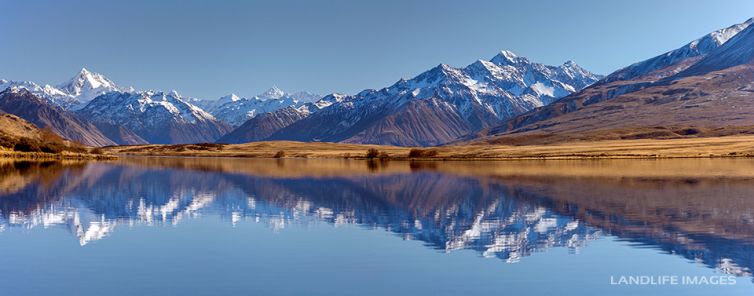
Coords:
pixel 204 226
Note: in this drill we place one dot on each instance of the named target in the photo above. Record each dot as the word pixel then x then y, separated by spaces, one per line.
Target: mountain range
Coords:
pixel 436 107
pixel 94 110
pixel 72 94
pixel 235 110
pixel 700 89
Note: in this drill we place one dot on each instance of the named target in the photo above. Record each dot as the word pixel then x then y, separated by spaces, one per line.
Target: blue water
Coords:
pixel 265 227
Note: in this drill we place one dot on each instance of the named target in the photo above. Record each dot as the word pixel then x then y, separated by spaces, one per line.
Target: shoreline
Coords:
pixel 14 155
pixel 712 147
pixel 409 159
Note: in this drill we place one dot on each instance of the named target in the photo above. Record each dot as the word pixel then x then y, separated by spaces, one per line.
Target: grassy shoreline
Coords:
pixel 712 147
pixel 15 155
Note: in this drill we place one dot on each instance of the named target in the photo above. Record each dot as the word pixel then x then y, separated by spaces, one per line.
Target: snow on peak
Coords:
pixel 229 98
pixel 736 51
pixel 305 96
pixel 144 109
pixel 50 93
pixel 723 35
pixel 272 93
pixel 482 65
pixel 502 89
pixel 671 62
pixel 87 85
pixel 445 68
pixel 15 89
pixel 236 110
pixel 506 57
pixel 328 100
pixel 508 54
pixel 570 64
pixel 431 78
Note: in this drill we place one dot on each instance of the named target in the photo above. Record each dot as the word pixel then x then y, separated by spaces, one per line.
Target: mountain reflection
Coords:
pixel 508 216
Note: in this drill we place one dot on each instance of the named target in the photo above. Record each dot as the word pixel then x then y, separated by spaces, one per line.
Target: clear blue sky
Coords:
pixel 209 48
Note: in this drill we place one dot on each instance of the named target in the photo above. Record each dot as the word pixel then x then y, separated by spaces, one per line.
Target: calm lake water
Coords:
pixel 192 226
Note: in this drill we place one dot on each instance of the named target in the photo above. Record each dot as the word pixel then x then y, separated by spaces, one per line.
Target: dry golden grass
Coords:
pixel 729 146
pixel 260 150
pixel 6 154
pixel 17 127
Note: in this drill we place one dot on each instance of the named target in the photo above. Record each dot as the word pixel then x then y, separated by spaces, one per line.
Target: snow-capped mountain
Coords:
pixel 86 86
pixel 737 51
pixel 264 125
pixel 707 94
pixel 305 96
pixel 158 117
pixel 441 105
pixel 273 93
pixel 535 78
pixel 73 94
pixel 677 60
pixel 48 92
pixel 126 115
pixel 236 110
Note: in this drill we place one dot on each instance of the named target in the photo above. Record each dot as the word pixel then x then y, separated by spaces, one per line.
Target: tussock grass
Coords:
pixel 729 146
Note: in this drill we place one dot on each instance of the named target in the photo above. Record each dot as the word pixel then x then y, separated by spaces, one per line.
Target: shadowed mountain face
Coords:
pixel 41 113
pixel 262 126
pixel 498 214
pixel 703 89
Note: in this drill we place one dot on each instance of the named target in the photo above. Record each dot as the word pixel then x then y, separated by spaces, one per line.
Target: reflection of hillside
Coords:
pixel 15 175
pixel 741 168
pixel 706 220
pixel 31 183
pixel 494 210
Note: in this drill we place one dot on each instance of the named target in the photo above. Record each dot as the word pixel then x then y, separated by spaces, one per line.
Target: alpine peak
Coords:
pixel 507 57
pixel 273 93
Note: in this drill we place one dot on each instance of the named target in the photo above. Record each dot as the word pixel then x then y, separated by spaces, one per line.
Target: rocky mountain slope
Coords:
pixel 711 96
pixel 26 105
pixel 157 117
pixel 678 59
pixel 631 79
